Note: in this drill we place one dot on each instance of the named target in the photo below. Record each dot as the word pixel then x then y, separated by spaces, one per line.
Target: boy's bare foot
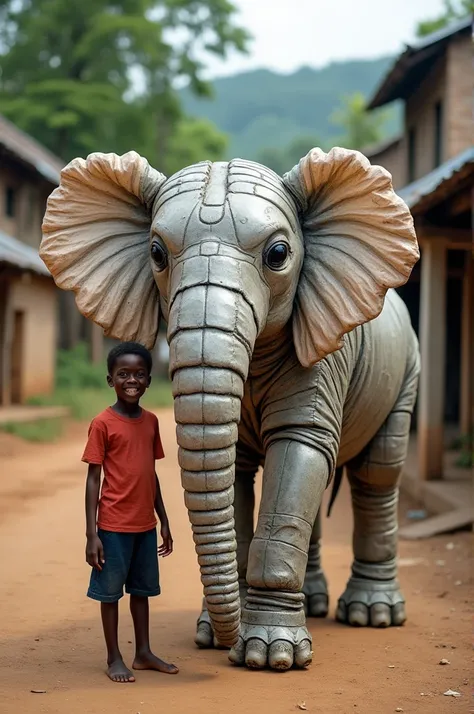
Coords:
pixel 118 672
pixel 147 660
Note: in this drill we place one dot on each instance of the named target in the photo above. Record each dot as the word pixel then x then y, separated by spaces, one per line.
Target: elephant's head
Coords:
pixel 229 253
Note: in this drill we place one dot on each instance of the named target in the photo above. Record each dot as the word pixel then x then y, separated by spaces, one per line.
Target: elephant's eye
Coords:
pixel 159 256
pixel 276 256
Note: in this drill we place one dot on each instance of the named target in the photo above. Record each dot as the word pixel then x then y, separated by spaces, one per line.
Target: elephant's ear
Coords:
pixel 96 234
pixel 359 242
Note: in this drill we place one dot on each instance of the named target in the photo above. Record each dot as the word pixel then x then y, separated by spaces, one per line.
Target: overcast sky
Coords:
pixel 291 33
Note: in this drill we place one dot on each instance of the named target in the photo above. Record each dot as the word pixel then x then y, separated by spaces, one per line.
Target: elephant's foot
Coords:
pixel 273 637
pixel 315 589
pixel 371 603
pixel 204 637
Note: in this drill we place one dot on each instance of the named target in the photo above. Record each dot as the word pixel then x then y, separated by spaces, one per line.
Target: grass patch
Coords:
pixel 43 430
pixel 465 445
pixel 86 403
pixel 82 388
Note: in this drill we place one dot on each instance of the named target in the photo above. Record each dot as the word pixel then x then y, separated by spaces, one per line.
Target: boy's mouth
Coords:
pixel 131 391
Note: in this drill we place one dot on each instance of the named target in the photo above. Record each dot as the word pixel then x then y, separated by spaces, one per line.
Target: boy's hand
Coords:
pixel 95 552
pixel 166 548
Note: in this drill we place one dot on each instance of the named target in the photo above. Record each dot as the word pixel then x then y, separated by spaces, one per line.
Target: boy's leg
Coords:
pixel 144 657
pixel 142 583
pixel 106 586
pixel 116 669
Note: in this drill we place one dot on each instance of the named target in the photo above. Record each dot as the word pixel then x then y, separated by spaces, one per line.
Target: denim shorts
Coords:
pixel 131 560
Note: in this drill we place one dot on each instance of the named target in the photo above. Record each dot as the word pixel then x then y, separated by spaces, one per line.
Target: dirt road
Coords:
pixel 50 637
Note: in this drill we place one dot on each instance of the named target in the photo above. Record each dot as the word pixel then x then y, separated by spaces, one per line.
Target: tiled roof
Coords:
pixel 413 63
pixel 23 146
pixel 415 192
pixel 20 255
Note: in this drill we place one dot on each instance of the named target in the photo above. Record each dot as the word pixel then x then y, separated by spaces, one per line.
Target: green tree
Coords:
pixel 360 126
pixel 453 10
pixel 101 74
pixel 283 159
pixel 194 140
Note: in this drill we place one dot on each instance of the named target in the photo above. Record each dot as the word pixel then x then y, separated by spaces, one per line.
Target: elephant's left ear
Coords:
pixel 359 242
pixel 96 234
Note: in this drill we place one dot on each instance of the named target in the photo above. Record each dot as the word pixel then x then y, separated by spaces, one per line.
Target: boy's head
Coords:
pixel 129 371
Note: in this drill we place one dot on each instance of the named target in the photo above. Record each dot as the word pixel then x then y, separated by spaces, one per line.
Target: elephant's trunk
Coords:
pixel 212 331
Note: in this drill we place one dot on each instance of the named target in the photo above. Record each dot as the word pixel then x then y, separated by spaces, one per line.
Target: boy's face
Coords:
pixel 130 378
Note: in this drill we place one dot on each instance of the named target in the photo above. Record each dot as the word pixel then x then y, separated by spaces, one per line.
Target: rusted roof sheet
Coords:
pixel 15 141
pixel 416 192
pixel 20 255
pixel 413 63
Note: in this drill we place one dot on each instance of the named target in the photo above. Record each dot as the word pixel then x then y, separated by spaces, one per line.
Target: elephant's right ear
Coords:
pixel 359 242
pixel 96 234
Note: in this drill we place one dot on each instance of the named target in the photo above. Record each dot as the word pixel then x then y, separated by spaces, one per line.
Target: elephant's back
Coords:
pixel 387 346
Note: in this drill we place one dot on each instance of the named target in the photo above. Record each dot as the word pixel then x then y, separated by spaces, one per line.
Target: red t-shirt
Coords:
pixel 126 449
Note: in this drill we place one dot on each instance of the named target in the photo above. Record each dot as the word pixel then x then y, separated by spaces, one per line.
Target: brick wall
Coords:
pixel 29 203
pixel 459 95
pixel 420 116
pixel 393 159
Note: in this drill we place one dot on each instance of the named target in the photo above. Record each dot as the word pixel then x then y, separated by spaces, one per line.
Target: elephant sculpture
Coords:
pixel 289 349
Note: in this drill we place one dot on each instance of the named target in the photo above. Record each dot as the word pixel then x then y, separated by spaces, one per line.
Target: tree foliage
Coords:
pixel 101 74
pixel 361 127
pixel 262 108
pixel 283 159
pixel 453 10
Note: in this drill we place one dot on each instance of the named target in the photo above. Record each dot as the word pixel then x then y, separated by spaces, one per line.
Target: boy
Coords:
pixel 121 547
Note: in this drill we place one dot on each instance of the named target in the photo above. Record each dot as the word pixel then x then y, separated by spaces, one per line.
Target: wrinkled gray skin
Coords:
pixel 227 310
pixel 243 334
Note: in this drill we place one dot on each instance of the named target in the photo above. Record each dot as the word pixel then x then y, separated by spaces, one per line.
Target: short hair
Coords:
pixel 129 348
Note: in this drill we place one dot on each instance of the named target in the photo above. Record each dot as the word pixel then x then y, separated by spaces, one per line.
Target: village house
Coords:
pixel 28 296
pixel 432 165
pixel 36 318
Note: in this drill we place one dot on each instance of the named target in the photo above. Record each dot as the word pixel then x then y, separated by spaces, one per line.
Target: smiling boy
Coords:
pixel 124 441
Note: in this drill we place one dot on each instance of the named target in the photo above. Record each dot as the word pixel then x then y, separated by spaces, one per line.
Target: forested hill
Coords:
pixel 263 109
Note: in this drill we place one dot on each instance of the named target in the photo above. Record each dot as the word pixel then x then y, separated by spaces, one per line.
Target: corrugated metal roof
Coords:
pixel 29 150
pixel 20 255
pixel 416 191
pixel 391 86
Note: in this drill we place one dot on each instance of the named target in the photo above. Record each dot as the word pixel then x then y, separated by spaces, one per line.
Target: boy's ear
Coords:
pixel 109 381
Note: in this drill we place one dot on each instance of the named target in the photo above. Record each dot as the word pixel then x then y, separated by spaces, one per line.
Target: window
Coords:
pixel 438 134
pixel 411 155
pixel 10 202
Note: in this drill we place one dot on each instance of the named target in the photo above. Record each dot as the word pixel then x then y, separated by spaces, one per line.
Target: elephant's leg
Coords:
pixel 244 505
pixel 315 585
pixel 273 625
pixel 373 596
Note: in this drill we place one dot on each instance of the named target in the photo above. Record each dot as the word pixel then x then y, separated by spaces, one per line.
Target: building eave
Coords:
pixel 395 83
pixel 429 190
pixel 381 146
pixel 18 144
pixel 18 255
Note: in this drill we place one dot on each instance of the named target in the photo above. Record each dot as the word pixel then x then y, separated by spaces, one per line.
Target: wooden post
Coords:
pixel 96 343
pixel 433 358
pixel 466 420
pixel 6 335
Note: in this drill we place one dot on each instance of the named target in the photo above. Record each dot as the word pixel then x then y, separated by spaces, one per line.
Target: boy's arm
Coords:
pixel 94 549
pixel 166 548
